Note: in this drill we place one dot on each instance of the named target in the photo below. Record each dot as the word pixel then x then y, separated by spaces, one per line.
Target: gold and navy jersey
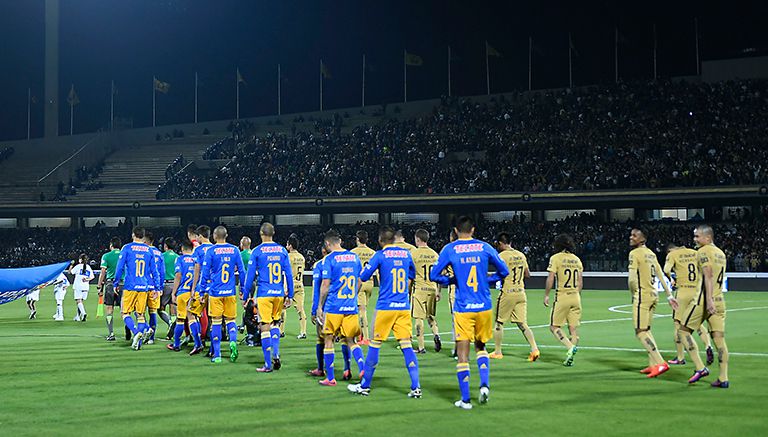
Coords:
pixel 517 265
pixel 567 268
pixel 711 256
pixel 297 269
pixel 365 254
pixel 682 262
pixel 644 269
pixel 424 258
pixel 405 245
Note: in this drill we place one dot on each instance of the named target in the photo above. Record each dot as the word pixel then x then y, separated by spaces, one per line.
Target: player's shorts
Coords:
pixel 364 296
pixel 512 306
pixel 270 309
pixel 344 325
pixel 111 297
pixel 60 294
pixel 696 314
pixel 396 321
pixel 80 294
pixel 566 309
pixel 643 307
pixel 473 326
pixel 298 300
pixel 685 297
pixel 424 303
pixel 167 297
pixel 197 306
pixel 134 301
pixel 153 303
pixel 33 296
pixel 222 306
pixel 181 305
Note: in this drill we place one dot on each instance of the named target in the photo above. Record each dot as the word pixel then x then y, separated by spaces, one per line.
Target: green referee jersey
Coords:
pixel 109 261
pixel 246 256
pixel 169 258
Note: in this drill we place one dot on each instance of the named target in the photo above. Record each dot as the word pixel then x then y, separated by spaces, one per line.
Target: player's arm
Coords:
pixel 240 271
pixel 176 284
pixel 436 274
pixel 287 277
pixel 670 298
pixel 580 282
pixel 325 286
pixel 370 268
pixel 550 281
pixel 669 264
pixel 502 271
pixel 709 281
pixel 526 270
pixel 249 278
pixel 119 269
pixel 317 277
pixel 632 280
pixel 102 277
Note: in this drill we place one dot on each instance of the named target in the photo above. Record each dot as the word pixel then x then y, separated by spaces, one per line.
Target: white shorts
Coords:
pixel 81 294
pixel 60 294
pixel 35 295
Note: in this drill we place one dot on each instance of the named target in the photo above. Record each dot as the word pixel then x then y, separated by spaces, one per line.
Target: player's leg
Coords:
pixel 298 302
pixel 266 311
pixel 722 358
pixel 498 339
pixel 328 358
pixel 432 321
pixel 419 313
pixel 464 326
pixel 483 333
pixel 557 318
pixel 707 340
pixel 230 314
pixel 528 334
pixel 402 330
pixel 276 332
pixel 362 307
pixel 503 315
pixel 319 347
pixel 215 335
pixel 679 348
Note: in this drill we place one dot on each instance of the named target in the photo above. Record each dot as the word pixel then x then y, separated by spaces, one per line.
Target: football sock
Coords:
pixel 558 332
pixel 434 327
pixel 232 331
pixel 528 334
pixel 319 354
pixel 153 323
pixel 484 368
pixel 109 324
pixel 722 357
pixel 81 308
pixel 419 325
pixel 128 320
pixel 275 341
pixel 693 350
pixel 194 328
pixel 357 354
pixel 328 356
pixel 462 374
pixel 165 317
pixel 371 361
pixel 498 338
pixel 346 354
pixel 266 347
pixel 679 345
pixel 650 345
pixel 411 363
pixel 177 331
pixel 705 337
pixel 216 339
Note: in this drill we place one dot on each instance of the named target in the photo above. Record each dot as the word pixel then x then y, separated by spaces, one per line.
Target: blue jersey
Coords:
pixel 185 265
pixel 159 268
pixel 220 264
pixel 317 281
pixel 270 266
pixel 199 254
pixel 469 259
pixel 138 264
pixel 342 269
pixel 396 271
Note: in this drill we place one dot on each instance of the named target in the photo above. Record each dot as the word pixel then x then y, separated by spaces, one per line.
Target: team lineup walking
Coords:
pixel 198 291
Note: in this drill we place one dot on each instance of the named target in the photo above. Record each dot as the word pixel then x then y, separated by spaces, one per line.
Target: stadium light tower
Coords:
pixel 51 68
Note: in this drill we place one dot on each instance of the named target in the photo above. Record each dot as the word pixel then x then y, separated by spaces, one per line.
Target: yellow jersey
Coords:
pixel 365 254
pixel 567 268
pixel 682 262
pixel 644 269
pixel 517 265
pixel 405 245
pixel 711 256
pixel 424 258
pixel 297 269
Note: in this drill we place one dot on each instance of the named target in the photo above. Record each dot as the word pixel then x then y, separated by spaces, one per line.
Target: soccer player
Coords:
pixel 337 308
pixel 166 299
pixel 365 254
pixel 153 303
pixel 512 304
pixel 644 269
pixel 32 298
pixel 317 281
pixel 197 301
pixel 81 284
pixel 136 268
pixel 452 236
pixel 221 263
pixel 470 259
pixel 184 274
pixel 709 305
pixel 565 270
pixel 426 293
pixel 59 293
pixel 683 272
pixel 106 284
pixel 396 269
pixel 271 267
pixel 400 241
pixel 192 235
pixel 297 268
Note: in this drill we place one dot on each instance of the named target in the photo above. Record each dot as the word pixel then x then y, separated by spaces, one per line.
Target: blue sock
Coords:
pixel 194 328
pixel 462 373
pixel 345 353
pixel 232 330
pixel 484 368
pixel 319 353
pixel 266 347
pixel 216 339
pixel 411 363
pixel 371 361
pixel 153 323
pixel 177 331
pixel 142 327
pixel 128 320
pixel 357 354
pixel 275 332
pixel 328 356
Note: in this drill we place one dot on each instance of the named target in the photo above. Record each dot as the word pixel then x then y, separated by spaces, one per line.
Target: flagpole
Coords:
pixel 196 83
pixel 237 81
pixel 696 31
pixel 487 72
pixel 449 71
pixel 530 58
pixel 616 54
pixel 71 112
pixel 279 89
pixel 154 92
pixel 405 77
pixel 363 93
pixel 321 85
pixel 29 113
pixel 112 107
pixel 570 61
pixel 654 52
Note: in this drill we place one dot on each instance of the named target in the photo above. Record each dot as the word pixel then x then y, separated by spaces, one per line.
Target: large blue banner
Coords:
pixel 16 283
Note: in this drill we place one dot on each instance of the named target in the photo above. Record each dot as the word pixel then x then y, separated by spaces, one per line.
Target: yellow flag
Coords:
pixel 491 51
pixel 161 86
pixel 413 60
pixel 324 71
pixel 240 77
pixel 72 98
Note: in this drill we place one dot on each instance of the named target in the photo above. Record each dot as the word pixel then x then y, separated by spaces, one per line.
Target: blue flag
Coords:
pixel 16 283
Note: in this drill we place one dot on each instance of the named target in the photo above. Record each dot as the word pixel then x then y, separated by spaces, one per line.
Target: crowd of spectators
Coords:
pixel 175 166
pixel 6 153
pixel 627 135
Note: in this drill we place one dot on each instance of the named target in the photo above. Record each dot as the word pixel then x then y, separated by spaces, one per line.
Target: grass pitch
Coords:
pixel 62 378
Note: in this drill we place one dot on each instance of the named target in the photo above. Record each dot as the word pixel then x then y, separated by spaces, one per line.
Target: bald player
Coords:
pixel 644 270
pixel 709 306
pixel 365 254
pixel 425 293
pixel 682 270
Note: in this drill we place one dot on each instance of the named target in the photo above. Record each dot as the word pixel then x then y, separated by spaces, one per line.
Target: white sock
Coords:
pixel 59 309
pixel 81 309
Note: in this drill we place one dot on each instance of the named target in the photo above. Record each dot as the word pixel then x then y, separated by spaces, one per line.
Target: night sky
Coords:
pixel 129 41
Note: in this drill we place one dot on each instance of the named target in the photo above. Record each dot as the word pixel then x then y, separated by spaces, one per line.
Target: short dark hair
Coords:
pixel 332 236
pixel 293 240
pixel 187 245
pixel 267 229
pixel 399 233
pixel 362 236
pixel 116 242
pixel 503 238
pixel 564 242
pixel 148 235
pixel 191 229
pixel 138 232
pixel 170 243
pixel 453 236
pixel 83 258
pixel 464 224
pixel 203 231
pixel 642 230
pixel 386 235
pixel 422 235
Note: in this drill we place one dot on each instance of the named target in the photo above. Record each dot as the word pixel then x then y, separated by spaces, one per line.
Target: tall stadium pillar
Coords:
pixel 51 120
pixel 385 218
